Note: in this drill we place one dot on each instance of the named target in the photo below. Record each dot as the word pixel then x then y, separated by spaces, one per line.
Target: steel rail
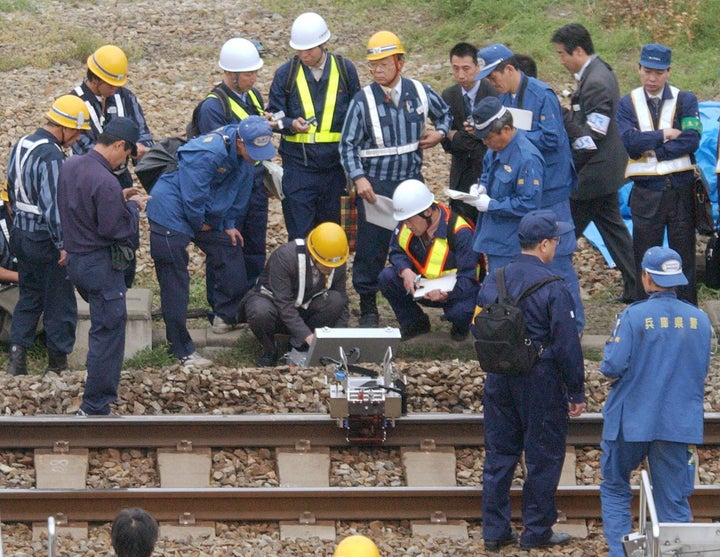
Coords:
pixel 266 430
pixel 248 504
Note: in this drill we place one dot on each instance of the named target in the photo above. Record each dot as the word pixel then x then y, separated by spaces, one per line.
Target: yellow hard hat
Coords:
pixel 110 64
pixel 383 44
pixel 328 244
pixel 356 546
pixel 70 111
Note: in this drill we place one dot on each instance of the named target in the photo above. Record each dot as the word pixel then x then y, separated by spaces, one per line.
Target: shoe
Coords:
pixel 82 414
pixel 18 360
pixel 458 333
pixel 57 362
pixel 220 327
pixel 417 328
pixel 624 300
pixel 557 538
pixel 495 545
pixel 369 320
pixel 268 358
pixel 369 316
pixel 195 360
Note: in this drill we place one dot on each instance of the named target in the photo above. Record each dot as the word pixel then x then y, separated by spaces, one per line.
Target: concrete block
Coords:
pixel 575 528
pixel 434 468
pixel 456 529
pixel 304 468
pixel 567 475
pixel 138 329
pixel 67 470
pixel 74 530
pixel 184 468
pixel 325 530
pixel 186 532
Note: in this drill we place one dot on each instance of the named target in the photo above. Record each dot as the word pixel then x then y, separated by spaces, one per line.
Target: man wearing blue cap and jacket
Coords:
pixel 658 356
pixel 202 201
pixel 530 412
pixel 660 128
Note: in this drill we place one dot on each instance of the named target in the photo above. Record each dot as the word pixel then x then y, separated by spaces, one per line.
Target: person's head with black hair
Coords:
pixel 134 533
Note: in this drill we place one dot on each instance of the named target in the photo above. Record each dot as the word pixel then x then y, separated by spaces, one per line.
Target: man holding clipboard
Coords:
pixel 433 263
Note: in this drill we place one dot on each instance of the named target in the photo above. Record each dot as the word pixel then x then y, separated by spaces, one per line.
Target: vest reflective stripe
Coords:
pixel 650 166
pixel 22 199
pixel 99 119
pixel 119 105
pixel 323 133
pixel 237 109
pixel 380 150
pixel 302 271
pixel 437 254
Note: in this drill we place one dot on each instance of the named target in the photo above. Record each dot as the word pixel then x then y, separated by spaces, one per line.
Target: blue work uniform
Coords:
pixel 514 181
pixel 658 356
pixel 36 240
pixel 400 126
pixel 549 136
pixel 212 186
pixel 530 412
pixel 95 216
pixel 253 223
pixel 313 178
pixel 663 203
pixel 454 248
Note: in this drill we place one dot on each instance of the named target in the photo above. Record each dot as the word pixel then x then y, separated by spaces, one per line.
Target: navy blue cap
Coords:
pixel 484 115
pixel 540 225
pixel 655 56
pixel 665 267
pixel 125 129
pixel 490 56
pixel 256 134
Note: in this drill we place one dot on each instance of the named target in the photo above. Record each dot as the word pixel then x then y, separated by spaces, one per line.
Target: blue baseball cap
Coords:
pixel 125 129
pixel 489 57
pixel 665 267
pixel 256 134
pixel 484 115
pixel 655 56
pixel 540 225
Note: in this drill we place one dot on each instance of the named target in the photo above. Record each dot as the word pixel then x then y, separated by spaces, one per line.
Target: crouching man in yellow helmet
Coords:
pixel 36 237
pixel 301 288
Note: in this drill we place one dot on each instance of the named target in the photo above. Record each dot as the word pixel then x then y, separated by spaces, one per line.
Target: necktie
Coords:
pixel 395 96
pixel 468 104
pixel 655 103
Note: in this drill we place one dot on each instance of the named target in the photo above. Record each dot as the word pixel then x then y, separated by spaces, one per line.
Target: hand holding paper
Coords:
pixel 481 203
pixel 477 189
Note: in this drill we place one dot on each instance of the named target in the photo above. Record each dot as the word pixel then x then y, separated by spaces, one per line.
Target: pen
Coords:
pixel 416 280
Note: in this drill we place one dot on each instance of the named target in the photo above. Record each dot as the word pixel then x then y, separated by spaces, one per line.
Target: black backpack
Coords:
pixel 193 128
pixel 160 159
pixel 502 343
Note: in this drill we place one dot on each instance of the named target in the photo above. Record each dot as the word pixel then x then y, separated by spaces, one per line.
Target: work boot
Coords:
pixel 18 360
pixel 57 362
pixel 416 328
pixel 368 311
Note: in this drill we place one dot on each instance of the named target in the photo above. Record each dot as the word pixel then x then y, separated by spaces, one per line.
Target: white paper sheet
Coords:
pixel 444 283
pixel 522 119
pixel 381 212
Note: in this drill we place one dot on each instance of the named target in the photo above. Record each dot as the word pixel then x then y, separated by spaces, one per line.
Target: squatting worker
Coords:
pixel 660 128
pixel 302 288
pixel 201 202
pixel 230 101
pixel 530 412
pixel 99 221
pixel 382 144
pixel 36 237
pixel 313 89
pixel 658 357
pixel 430 241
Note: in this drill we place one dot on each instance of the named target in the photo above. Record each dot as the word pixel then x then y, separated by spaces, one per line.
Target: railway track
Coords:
pixel 279 503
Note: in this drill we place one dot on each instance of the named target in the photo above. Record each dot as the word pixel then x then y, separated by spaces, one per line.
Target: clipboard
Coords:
pixel 444 283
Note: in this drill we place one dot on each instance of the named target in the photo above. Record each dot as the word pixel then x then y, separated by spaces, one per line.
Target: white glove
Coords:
pixel 482 202
pixel 477 189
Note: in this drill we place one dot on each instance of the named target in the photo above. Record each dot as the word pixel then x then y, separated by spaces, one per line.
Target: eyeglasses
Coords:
pixel 383 64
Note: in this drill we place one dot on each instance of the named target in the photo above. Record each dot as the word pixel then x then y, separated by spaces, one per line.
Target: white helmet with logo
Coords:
pixel 308 31
pixel 411 198
pixel 239 55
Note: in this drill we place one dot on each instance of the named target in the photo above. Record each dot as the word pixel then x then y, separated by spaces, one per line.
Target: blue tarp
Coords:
pixel 706 157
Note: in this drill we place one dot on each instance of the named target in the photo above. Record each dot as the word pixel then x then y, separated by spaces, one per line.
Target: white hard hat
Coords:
pixel 239 55
pixel 308 31
pixel 411 198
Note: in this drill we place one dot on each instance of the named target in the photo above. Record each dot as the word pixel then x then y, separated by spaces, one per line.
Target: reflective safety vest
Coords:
pixel 650 166
pixel 235 107
pixel 321 132
pixel 22 199
pixel 380 150
pixel 437 253
pixel 99 119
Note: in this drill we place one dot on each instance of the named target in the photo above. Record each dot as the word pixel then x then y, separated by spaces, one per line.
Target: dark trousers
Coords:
pixel 104 289
pixel 605 213
pixel 526 413
pixel 45 290
pixel 654 213
pixel 311 197
pixel 253 227
pixel 265 321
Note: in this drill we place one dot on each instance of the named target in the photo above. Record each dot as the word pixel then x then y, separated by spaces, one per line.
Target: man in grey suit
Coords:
pixel 467 150
pixel 598 152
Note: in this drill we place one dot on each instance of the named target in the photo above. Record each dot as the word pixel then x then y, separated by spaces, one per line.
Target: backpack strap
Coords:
pixel 500 280
pixel 222 96
pixel 537 286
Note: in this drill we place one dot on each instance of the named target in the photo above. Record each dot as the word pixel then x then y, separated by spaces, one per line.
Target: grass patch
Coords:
pixel 156 357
